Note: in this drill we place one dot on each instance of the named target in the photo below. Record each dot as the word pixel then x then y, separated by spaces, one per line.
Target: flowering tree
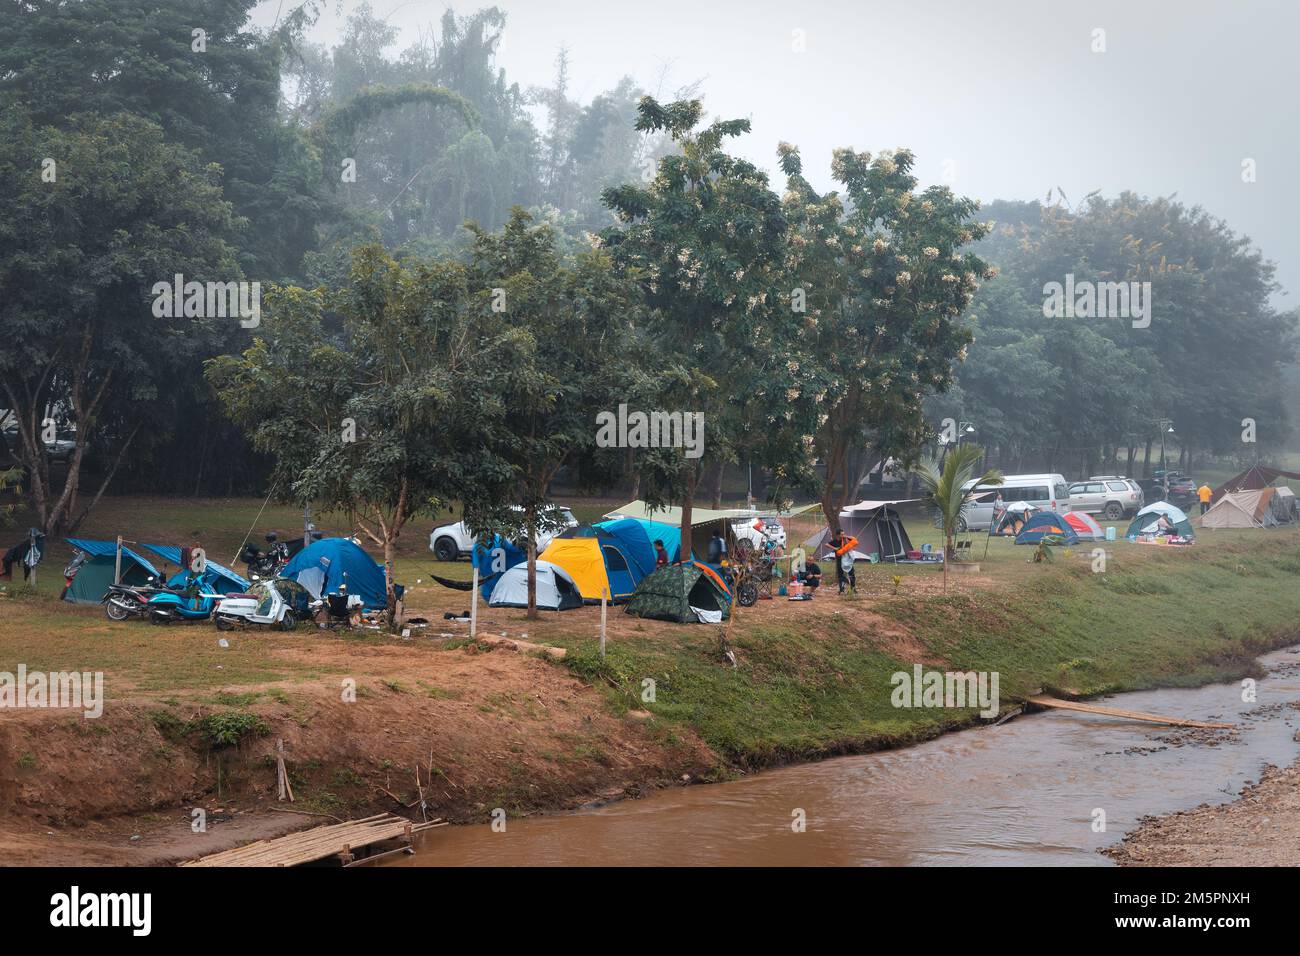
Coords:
pixel 704 240
pixel 880 284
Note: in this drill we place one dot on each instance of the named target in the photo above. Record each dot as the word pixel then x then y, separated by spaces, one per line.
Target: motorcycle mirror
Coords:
pixel 255 577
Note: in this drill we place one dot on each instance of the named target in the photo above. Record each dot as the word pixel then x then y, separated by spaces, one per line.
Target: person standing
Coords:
pixel 843 545
pixel 1205 493
pixel 661 556
pixel 717 548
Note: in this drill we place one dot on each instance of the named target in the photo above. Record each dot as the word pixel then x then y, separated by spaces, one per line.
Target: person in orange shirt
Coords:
pixel 1205 493
pixel 843 545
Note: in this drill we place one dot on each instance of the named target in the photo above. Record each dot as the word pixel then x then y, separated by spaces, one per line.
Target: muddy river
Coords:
pixel 1026 792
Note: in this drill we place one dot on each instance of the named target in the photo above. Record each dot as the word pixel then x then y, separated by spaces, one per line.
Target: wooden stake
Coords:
pixel 473 608
pixel 604 593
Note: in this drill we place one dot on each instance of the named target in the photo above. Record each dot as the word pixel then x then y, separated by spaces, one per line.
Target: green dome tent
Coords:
pixel 675 591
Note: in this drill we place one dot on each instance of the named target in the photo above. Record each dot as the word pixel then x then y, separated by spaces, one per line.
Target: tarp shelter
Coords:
pixel 1252 479
pixel 1147 521
pixel 493 559
pixel 1262 508
pixel 1085 526
pixel 217 577
pixel 1011 519
pixel 556 591
pixel 598 562
pixel 324 566
pixel 1041 524
pixel 96 572
pixel 875 524
pixel 1284 504
pixel 703 522
pixel 674 592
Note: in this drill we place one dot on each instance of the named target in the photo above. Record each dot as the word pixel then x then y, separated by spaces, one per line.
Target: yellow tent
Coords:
pixel 596 565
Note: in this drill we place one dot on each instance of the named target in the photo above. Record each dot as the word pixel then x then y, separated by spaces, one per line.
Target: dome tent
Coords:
pixel 1085 526
pixel 1147 521
pixel 556 591
pixel 324 566
pixel 1042 524
pixel 675 591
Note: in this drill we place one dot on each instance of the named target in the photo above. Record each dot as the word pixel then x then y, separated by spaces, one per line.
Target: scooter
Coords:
pixel 193 603
pixel 277 603
pixel 122 601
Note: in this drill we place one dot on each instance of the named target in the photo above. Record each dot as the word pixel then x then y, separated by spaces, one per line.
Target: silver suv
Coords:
pixel 1111 496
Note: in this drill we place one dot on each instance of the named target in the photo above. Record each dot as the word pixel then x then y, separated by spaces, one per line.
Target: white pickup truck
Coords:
pixel 451 541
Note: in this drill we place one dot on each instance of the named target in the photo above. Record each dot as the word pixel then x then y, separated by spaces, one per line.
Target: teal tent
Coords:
pixel 95 573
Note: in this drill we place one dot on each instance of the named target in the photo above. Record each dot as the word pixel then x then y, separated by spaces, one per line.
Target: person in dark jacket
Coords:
pixel 661 556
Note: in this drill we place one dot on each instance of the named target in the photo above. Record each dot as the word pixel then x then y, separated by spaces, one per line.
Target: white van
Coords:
pixel 1048 492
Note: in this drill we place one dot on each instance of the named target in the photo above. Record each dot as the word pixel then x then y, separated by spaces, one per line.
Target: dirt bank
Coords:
pixel 1260 828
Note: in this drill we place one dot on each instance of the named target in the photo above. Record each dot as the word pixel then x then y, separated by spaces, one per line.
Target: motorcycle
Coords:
pixel 268 563
pixel 192 602
pixel 122 601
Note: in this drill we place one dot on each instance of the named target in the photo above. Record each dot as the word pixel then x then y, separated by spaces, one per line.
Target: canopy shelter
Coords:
pixel 326 566
pixel 598 562
pixel 704 521
pixel 217 576
pixel 875 524
pixel 1261 508
pixel 685 593
pixel 1148 521
pixel 1043 524
pixel 97 571
pixel 1252 479
pixel 556 590
pixel 1085 526
pixel 1009 521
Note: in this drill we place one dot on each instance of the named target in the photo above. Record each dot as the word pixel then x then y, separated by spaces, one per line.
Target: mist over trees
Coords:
pixel 259 156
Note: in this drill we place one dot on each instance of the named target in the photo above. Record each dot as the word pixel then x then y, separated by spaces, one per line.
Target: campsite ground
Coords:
pixel 489 726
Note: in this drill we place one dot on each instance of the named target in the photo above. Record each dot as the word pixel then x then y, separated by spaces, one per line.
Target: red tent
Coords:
pixel 1252 479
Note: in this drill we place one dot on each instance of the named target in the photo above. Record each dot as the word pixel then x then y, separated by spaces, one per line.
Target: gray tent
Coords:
pixel 875 524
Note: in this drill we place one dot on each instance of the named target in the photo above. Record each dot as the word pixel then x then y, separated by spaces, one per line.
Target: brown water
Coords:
pixel 1021 793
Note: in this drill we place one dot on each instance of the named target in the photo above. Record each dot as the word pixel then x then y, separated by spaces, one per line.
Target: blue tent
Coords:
pixel 638 535
pixel 217 577
pixel 1041 524
pixel 96 573
pixel 491 564
pixel 323 567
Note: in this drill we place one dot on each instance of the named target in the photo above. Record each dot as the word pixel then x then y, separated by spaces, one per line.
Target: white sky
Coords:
pixel 1008 90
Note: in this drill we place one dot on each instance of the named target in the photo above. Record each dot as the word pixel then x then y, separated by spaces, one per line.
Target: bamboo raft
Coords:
pixel 1043 700
pixel 339 840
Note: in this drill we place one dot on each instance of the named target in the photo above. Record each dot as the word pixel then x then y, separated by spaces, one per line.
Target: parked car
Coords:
pixel 1112 496
pixel 1182 489
pixel 451 541
pixel 1048 492
pixel 772 530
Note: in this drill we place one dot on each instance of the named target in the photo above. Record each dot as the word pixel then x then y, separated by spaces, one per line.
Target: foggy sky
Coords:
pixel 1009 91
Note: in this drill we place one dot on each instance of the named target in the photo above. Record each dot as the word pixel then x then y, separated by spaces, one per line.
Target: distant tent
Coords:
pixel 1085 526
pixel 1011 519
pixel 598 562
pixel 675 591
pixel 556 591
pixel 875 524
pixel 1252 479
pixel 1041 524
pixel 324 566
pixel 493 559
pixel 1147 521
pixel 1284 505
pixel 1248 509
pixel 217 577
pixel 96 572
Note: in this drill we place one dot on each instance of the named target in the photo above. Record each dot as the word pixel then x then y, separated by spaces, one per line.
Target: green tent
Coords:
pixel 96 572
pixel 670 593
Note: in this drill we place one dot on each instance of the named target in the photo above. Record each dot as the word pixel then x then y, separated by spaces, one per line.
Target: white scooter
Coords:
pixel 266 603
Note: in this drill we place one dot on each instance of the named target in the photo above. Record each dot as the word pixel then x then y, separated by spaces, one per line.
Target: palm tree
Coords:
pixel 943 490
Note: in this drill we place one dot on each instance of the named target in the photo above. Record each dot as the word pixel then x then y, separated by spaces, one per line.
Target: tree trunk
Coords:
pixel 530 528
pixel 717 485
pixel 1146 461
pixel 688 502
pixel 390 579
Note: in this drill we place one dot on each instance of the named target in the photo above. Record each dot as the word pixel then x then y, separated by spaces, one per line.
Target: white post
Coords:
pixel 473 609
pixel 604 593
pixel 117 563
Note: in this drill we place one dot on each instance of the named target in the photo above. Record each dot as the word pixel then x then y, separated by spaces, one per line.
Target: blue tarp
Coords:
pixel 100 549
pixel 489 564
pixel 217 576
pixel 323 567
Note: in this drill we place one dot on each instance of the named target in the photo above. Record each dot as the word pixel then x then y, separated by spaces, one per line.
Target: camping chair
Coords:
pixel 962 548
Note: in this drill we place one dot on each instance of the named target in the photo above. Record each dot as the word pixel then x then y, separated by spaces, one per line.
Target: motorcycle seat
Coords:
pixel 235 594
